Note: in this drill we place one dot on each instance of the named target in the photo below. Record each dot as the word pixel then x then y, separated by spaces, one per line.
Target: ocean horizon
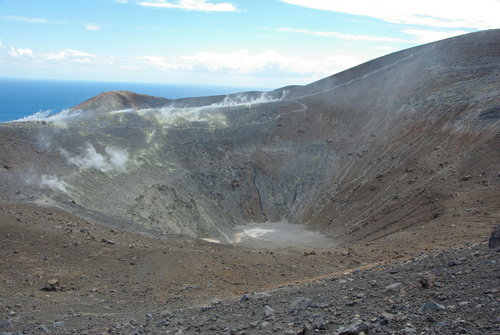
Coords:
pixel 20 98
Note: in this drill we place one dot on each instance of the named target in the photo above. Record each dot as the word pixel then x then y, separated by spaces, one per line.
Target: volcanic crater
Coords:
pixel 133 202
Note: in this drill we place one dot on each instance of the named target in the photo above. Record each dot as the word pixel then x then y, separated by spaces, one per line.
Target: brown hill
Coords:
pixel 119 100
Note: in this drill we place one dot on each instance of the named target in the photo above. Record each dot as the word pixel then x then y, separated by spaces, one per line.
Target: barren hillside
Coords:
pixel 403 140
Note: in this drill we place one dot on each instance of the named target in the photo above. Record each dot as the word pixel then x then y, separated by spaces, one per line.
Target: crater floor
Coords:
pixel 277 235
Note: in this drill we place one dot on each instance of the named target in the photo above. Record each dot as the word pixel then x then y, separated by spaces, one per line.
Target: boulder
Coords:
pixel 494 241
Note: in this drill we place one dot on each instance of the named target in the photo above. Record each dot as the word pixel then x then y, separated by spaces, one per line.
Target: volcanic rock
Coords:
pixel 298 304
pixel 52 285
pixel 494 241
pixel 431 307
pixel 355 328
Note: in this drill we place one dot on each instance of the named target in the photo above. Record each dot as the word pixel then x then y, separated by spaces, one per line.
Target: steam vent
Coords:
pixel 171 203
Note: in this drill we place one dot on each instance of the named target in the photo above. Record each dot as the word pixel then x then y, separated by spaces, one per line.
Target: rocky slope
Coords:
pixel 403 140
pixel 434 293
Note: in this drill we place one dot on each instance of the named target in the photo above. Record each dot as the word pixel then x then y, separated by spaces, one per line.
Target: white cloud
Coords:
pixel 28 19
pixel 385 48
pixel 92 27
pixel 479 14
pixel 19 52
pixel 24 19
pixel 420 36
pixel 163 63
pixel 342 36
pixel 243 62
pixel 121 1
pixel 70 54
pixel 242 66
pixel 426 36
pixel 82 60
pixel 191 5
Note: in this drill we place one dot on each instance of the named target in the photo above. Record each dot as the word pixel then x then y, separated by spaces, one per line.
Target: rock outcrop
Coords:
pixel 494 241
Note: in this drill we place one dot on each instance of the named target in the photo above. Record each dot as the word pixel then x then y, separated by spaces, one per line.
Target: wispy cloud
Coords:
pixel 426 36
pixel 191 5
pixel 244 62
pixel 479 14
pixel 162 63
pixel 350 37
pixel 92 27
pixel 27 19
pixel 24 19
pixel 19 52
pixel 70 54
pixel 385 48
pixel 418 35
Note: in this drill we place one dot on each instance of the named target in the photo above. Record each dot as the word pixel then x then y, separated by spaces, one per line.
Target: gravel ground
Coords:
pixel 451 291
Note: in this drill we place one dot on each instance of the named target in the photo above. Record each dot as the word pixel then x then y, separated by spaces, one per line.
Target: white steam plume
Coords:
pixel 48 116
pixel 113 159
pixel 52 182
pixel 243 99
pixel 118 158
pixel 45 181
pixel 171 115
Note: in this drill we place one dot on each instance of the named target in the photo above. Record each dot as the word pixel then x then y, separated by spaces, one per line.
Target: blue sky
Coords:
pixel 258 43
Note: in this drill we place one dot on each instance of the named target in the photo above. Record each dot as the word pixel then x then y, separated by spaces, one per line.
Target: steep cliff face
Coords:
pixel 403 140
pixel 415 135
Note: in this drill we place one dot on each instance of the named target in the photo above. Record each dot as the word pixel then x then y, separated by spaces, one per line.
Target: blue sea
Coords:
pixel 23 97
